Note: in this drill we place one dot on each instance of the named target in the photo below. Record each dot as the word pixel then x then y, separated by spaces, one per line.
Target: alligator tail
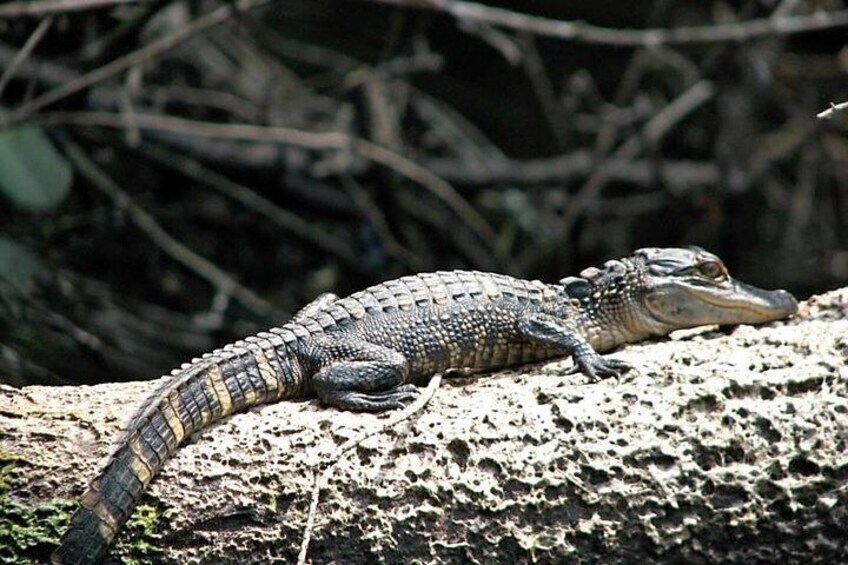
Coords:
pixel 208 389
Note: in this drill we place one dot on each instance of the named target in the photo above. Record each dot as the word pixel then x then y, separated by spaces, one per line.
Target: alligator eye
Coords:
pixel 711 270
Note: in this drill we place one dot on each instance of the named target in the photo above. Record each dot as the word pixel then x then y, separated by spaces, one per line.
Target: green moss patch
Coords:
pixel 28 532
pixel 139 542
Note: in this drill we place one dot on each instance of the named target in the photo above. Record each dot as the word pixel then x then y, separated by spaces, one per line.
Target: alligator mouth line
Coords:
pixel 740 297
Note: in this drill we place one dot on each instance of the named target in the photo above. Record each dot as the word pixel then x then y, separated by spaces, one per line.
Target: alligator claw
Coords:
pixel 391 399
pixel 597 367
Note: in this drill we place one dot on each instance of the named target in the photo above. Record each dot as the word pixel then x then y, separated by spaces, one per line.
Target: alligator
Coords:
pixel 370 350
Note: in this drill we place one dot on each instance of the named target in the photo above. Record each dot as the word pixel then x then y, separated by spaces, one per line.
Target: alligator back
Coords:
pixel 247 373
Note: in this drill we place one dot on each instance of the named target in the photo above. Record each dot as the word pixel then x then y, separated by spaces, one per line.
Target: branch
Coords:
pixel 286 220
pixel 436 185
pixel 221 281
pixel 371 212
pixel 831 112
pixel 21 56
pixel 141 55
pixel 36 68
pixel 300 138
pixel 28 8
pixel 678 174
pixel 651 133
pixel 587 33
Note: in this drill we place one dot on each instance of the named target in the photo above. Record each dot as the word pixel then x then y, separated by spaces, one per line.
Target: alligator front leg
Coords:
pixel 549 331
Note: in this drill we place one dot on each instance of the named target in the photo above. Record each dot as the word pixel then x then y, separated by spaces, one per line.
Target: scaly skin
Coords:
pixel 367 351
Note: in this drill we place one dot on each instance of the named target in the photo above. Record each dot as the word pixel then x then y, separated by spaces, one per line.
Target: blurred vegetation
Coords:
pixel 177 174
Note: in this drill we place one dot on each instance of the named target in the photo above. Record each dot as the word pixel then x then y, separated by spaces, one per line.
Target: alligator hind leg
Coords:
pixel 363 377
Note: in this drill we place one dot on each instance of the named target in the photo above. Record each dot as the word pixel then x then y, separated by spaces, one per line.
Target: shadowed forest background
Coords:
pixel 175 175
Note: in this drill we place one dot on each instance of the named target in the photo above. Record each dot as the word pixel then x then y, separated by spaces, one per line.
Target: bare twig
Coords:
pixel 220 280
pixel 498 40
pixel 25 51
pixel 41 7
pixel 102 46
pixel 55 319
pixel 435 109
pixel 785 8
pixel 680 174
pixel 802 205
pixel 378 221
pixel 235 132
pixel 545 92
pixel 161 96
pixel 321 476
pixel 455 130
pixel 382 110
pixel 126 95
pixel 36 68
pixel 424 61
pixel 249 199
pixel 309 140
pixel 436 220
pixel 302 51
pixel 831 112
pixel 692 99
pixel 149 51
pixel 608 132
pixel 652 132
pixel 588 33
pixel 444 191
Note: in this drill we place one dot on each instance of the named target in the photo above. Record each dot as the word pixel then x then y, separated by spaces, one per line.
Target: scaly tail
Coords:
pixel 226 381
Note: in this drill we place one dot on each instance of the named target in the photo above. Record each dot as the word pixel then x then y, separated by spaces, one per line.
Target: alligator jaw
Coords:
pixel 746 304
pixel 684 304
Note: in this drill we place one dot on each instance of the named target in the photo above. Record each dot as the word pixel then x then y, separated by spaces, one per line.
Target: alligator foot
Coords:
pixel 596 367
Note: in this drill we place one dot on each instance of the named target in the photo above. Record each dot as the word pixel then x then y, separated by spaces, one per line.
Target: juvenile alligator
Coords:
pixel 366 352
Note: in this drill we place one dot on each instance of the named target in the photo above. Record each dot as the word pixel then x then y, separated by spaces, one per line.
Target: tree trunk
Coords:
pixel 720 448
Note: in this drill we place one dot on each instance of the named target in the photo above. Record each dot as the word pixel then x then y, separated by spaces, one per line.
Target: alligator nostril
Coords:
pixel 785 301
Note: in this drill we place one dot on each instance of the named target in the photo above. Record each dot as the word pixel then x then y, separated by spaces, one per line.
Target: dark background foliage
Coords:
pixel 170 185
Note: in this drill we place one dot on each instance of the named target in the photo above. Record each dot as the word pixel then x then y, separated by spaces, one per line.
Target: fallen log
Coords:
pixel 722 447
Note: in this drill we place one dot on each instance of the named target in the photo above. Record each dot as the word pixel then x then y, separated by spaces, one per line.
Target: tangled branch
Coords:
pixel 587 33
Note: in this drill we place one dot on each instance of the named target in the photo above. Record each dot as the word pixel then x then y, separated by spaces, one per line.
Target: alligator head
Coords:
pixel 691 287
pixel 657 291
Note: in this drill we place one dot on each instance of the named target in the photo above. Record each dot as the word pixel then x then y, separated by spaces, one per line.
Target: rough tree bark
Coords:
pixel 725 448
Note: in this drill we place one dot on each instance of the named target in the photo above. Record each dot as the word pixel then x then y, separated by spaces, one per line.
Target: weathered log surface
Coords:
pixel 722 448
